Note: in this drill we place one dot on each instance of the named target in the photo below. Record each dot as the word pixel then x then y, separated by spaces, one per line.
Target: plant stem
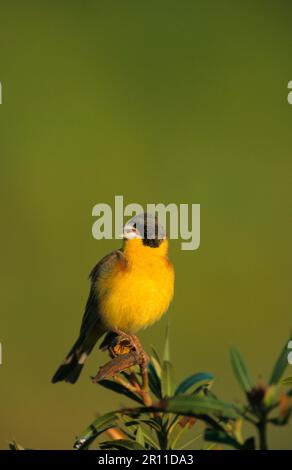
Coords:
pixel 262 428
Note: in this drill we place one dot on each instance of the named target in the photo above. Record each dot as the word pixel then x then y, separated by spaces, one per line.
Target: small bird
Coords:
pixel 131 288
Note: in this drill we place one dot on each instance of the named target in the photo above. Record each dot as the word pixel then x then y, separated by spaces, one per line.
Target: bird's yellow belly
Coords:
pixel 134 299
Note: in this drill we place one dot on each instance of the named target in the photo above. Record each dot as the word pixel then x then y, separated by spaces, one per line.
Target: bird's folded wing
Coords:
pixel 91 318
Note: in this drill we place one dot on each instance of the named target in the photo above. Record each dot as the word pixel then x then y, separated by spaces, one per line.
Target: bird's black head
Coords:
pixel 147 227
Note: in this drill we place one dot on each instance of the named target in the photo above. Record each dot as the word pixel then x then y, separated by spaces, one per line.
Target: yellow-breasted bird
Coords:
pixel 131 288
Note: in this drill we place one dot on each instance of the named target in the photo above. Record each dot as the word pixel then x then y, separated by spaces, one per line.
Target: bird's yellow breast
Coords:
pixel 135 295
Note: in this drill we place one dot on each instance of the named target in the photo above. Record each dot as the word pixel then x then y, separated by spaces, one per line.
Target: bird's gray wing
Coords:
pixel 91 318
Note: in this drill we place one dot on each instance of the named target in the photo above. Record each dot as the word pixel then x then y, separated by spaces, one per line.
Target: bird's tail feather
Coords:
pixel 68 372
pixel 72 366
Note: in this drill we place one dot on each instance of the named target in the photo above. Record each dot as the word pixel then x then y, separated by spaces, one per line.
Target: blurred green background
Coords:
pixel 160 101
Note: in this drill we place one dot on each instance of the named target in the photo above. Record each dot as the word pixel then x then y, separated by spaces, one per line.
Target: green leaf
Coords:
pixel 156 365
pixel 154 381
pixel 221 437
pixel 121 444
pixel 211 446
pixel 140 436
pixel 193 380
pixel 166 354
pixel 166 379
pixel 240 370
pixel 150 440
pixel 192 405
pixel 287 381
pixel 15 446
pixel 166 372
pixel 98 426
pixel 119 388
pixel 280 366
pixel 191 441
pixel 271 396
pixel 155 356
pixel 173 440
pixel 152 424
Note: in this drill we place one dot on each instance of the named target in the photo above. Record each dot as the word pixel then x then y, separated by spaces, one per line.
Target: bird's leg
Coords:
pixel 135 343
pixel 126 351
pixel 126 341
